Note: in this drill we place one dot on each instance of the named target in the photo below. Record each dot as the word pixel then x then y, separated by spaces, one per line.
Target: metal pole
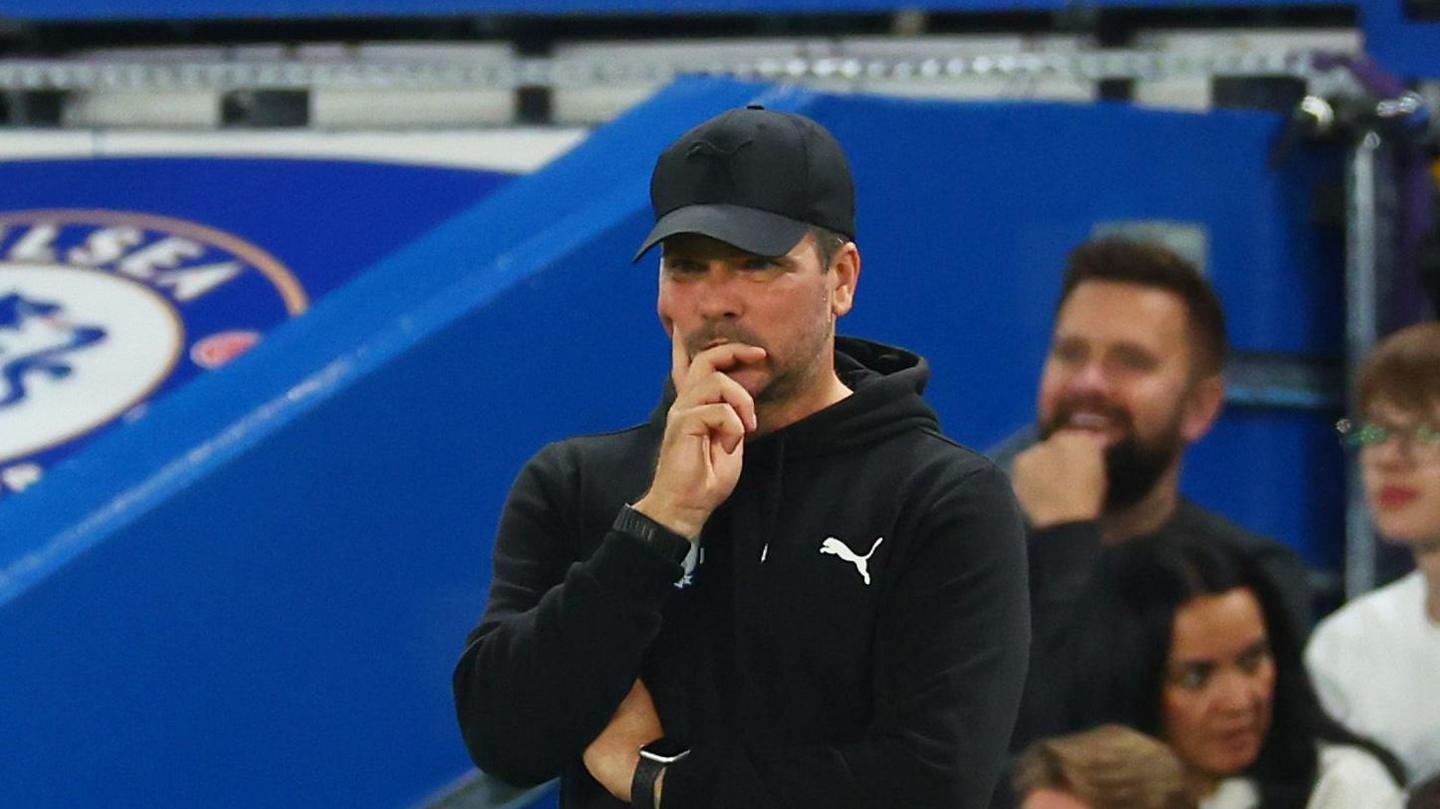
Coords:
pixel 1363 247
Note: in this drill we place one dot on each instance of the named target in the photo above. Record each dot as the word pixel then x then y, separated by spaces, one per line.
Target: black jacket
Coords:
pixel 795 682
pixel 1084 672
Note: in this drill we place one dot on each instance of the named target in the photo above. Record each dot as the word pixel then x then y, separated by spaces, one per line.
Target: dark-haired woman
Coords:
pixel 1226 688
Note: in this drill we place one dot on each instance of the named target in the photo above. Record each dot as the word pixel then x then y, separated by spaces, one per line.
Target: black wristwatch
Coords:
pixel 668 543
pixel 654 758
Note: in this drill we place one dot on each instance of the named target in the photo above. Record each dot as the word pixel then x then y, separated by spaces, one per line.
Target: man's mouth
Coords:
pixel 706 338
pixel 1088 420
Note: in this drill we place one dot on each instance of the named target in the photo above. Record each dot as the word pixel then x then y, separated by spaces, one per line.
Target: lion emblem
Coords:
pixel 36 340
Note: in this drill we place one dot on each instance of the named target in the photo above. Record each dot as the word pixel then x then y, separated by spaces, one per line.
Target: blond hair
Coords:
pixel 1109 767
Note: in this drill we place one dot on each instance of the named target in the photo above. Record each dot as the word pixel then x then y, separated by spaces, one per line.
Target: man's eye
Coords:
pixel 1426 434
pixel 759 264
pixel 1067 352
pixel 1132 361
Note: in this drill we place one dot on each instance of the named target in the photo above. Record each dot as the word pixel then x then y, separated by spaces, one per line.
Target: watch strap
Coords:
pixel 642 787
pixel 661 539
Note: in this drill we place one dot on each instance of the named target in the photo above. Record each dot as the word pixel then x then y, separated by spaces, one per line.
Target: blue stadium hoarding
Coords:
pixel 124 279
pixel 1402 40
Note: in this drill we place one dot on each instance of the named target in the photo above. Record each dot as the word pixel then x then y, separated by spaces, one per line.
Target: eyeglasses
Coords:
pixel 1420 441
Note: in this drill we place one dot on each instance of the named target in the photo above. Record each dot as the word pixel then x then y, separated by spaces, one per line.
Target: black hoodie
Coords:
pixel 884 675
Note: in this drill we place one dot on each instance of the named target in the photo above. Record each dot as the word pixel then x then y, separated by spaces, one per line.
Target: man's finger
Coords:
pixel 723 357
pixel 679 357
pixel 1080 439
pixel 717 387
pixel 719 422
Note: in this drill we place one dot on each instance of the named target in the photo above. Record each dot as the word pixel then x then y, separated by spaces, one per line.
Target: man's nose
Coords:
pixel 719 297
pixel 1089 378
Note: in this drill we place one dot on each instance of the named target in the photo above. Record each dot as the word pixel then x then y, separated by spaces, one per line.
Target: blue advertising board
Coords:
pixel 1404 43
pixel 124 279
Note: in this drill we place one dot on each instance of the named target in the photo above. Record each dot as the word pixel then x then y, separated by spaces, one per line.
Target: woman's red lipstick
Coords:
pixel 1396 496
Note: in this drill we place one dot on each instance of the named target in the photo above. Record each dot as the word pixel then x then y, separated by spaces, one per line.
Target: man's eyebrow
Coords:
pixel 1068 341
pixel 1130 347
pixel 1122 347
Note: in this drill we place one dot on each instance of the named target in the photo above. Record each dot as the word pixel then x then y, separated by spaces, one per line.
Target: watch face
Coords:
pixel 665 751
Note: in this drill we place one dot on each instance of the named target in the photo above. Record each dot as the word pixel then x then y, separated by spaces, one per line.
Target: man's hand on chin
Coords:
pixel 1061 479
pixel 613 756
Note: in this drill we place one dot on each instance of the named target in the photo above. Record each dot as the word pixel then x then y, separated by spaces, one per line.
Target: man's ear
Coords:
pixel 846 267
pixel 1202 407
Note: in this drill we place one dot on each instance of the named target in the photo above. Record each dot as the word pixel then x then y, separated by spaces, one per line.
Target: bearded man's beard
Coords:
pixel 1132 466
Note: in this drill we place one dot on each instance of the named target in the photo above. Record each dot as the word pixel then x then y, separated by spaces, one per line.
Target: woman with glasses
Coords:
pixel 1224 685
pixel 1376 662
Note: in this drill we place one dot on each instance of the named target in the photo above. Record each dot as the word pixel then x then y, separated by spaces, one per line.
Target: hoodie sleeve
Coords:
pixel 561 642
pixel 949 660
pixel 1065 562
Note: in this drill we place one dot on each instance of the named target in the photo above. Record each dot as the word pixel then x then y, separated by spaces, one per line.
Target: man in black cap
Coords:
pixel 788 589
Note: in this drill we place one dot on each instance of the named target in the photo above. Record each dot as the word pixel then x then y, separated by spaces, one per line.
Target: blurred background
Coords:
pixel 290 289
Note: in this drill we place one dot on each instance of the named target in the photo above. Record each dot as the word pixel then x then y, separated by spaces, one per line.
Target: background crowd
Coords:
pixel 1174 663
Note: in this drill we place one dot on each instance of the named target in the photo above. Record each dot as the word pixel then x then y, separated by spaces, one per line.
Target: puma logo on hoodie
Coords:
pixel 831 545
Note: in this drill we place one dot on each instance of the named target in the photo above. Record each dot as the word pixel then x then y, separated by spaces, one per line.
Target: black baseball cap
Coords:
pixel 753 178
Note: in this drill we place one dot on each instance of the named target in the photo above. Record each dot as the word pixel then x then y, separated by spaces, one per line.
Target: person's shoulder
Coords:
pixel 1365 619
pixel 1351 776
pixel 1194 518
pixel 1199 521
pixel 937 474
pixel 595 449
pixel 934 448
pixel 624 438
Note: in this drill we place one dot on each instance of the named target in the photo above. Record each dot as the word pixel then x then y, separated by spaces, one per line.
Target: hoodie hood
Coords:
pixel 886 384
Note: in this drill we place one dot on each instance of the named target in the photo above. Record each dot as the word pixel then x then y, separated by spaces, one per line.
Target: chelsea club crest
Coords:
pixel 100 310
